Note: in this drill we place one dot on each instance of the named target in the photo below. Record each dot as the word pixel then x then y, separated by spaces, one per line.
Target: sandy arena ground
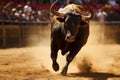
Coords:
pixel 94 62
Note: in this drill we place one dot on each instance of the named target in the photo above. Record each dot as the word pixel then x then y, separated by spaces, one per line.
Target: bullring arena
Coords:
pixel 26 55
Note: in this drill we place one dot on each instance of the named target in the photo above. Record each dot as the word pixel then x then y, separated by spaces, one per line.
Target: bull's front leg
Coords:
pixel 69 59
pixel 54 52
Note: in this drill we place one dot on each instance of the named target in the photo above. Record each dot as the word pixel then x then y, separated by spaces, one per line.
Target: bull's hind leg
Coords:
pixel 54 51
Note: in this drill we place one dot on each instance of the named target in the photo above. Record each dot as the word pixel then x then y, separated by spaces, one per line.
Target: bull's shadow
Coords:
pixel 95 75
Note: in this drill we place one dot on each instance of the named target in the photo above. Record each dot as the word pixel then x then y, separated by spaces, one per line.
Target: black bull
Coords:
pixel 69 33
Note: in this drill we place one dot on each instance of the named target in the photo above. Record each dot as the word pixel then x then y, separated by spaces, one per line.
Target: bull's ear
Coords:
pixel 83 23
pixel 60 19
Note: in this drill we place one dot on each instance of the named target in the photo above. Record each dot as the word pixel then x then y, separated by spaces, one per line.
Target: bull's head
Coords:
pixel 71 21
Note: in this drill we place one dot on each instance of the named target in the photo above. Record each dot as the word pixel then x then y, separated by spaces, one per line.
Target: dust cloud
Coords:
pixel 93 57
pixel 96 55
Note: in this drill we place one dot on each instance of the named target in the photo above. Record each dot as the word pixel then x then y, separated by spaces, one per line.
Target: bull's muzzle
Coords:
pixel 69 38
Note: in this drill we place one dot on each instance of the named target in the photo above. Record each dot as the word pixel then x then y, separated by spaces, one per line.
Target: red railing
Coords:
pixel 47 6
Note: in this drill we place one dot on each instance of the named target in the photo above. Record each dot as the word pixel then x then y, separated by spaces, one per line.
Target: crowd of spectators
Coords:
pixel 12 11
pixel 23 12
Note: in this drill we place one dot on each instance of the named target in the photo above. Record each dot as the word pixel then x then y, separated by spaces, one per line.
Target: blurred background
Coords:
pixel 22 22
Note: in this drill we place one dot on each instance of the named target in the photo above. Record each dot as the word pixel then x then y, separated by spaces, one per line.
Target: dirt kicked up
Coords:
pixel 102 63
pixel 94 62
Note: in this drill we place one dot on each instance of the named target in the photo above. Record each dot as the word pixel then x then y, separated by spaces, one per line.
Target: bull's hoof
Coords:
pixel 55 66
pixel 64 72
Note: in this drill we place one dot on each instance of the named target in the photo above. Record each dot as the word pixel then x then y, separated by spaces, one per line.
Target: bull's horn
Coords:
pixel 89 16
pixel 54 12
